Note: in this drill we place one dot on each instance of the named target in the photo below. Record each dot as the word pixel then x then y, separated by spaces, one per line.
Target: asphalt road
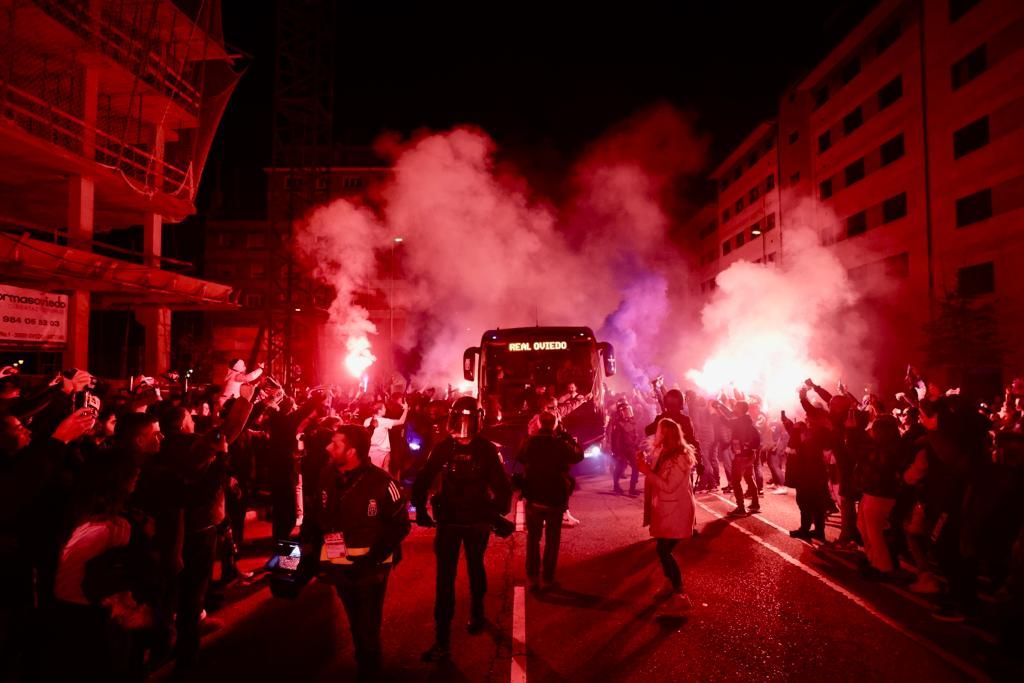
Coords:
pixel 766 607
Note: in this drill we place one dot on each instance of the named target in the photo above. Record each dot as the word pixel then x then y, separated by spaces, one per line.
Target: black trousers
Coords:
pixel 546 520
pixel 449 538
pixel 283 513
pixel 361 589
pixel 620 469
pixel 743 470
pixel 665 546
pixel 197 555
pixel 812 504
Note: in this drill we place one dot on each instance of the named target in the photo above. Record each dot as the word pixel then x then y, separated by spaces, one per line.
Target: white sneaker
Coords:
pixel 568 520
pixel 780 491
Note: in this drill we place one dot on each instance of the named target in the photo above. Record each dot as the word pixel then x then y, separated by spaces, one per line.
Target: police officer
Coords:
pixel 474 490
pixel 358 526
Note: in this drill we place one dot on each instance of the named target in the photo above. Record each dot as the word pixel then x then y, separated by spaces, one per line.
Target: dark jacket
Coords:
pixel 474 487
pixel 546 458
pixel 366 506
pixel 624 438
pixel 683 422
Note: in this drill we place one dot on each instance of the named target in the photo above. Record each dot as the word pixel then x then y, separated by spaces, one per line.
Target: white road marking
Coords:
pixel 518 674
pixel 520 514
pixel 960 664
pixel 905 594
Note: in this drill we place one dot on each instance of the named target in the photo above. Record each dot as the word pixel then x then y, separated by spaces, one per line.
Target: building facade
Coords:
pixel 908 139
pixel 107 110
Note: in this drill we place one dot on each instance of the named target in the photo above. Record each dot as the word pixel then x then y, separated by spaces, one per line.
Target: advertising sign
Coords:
pixel 29 317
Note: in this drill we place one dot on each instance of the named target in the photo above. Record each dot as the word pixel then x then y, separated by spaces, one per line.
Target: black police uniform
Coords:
pixel 474 490
pixel 358 526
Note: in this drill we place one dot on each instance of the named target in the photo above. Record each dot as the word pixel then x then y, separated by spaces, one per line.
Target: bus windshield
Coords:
pixel 517 382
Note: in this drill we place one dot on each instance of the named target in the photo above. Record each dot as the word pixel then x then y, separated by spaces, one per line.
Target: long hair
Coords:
pixel 669 443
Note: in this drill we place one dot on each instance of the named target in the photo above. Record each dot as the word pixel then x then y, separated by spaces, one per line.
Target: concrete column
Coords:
pixel 156 320
pixel 81 212
pixel 152 238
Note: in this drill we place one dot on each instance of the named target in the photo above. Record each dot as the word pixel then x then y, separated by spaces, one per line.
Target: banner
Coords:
pixel 29 317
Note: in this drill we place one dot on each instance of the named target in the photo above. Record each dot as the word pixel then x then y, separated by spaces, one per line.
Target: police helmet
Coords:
pixel 464 418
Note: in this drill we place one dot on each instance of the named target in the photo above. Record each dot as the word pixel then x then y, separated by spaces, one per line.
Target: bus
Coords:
pixel 518 370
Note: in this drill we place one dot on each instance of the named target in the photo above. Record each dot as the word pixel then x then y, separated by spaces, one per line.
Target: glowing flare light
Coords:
pixel 359 357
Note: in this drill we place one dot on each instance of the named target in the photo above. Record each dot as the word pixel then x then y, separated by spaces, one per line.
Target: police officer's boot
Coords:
pixel 476 623
pixel 440 651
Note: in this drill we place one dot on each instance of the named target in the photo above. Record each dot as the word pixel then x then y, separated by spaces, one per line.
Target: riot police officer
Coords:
pixel 473 491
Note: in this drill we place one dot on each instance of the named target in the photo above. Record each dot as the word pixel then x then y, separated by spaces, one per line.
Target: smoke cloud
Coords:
pixel 481 249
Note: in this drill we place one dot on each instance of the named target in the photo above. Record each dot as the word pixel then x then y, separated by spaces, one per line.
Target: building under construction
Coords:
pixel 107 112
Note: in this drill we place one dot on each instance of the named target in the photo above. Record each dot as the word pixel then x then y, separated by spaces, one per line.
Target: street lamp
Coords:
pixel 391 312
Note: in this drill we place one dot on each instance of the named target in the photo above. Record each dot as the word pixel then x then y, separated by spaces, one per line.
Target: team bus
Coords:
pixel 518 370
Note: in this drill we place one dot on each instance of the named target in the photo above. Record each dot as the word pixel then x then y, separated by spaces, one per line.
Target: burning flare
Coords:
pixel 359 357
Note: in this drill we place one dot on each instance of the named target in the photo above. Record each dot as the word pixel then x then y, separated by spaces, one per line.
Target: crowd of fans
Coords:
pixel 927 486
pixel 119 509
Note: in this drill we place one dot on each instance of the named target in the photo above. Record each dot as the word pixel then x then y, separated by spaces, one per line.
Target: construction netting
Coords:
pixel 165 77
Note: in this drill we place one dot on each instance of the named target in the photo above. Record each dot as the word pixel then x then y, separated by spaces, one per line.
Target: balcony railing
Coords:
pixel 142 170
pixel 117 43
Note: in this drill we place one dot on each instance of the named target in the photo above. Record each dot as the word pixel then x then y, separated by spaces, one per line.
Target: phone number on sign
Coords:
pixel 30 321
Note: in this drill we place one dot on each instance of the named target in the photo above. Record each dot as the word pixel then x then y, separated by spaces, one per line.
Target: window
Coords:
pixel 255 240
pixel 889 35
pixel 971 137
pixel 740 239
pixel 755 192
pixel 826 188
pixel 293 182
pixel 257 270
pixel 970 67
pixel 794 136
pixel 892 150
pixel 739 205
pixel 824 141
pixel 254 300
pixel 769 182
pixel 958 8
pixel 795 178
pixel 890 92
pixel 849 70
pixel 820 96
pixel 726 215
pixel 974 208
pixel 755 230
pixel 726 247
pixel 894 208
pixel 854 172
pixel 976 280
pixel 853 121
pixel 857 224
pixel 769 221
pixel 322 182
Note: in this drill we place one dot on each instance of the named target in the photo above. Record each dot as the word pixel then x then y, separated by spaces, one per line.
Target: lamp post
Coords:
pixel 391 312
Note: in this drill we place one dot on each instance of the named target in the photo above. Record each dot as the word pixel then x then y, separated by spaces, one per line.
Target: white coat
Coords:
pixel 669 505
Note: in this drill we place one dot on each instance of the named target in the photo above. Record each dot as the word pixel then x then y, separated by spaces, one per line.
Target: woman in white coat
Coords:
pixel 669 505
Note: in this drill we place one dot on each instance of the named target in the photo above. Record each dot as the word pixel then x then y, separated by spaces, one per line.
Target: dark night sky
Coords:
pixel 541 86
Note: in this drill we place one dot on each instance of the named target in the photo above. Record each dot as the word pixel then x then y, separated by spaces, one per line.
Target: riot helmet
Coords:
pixel 464 418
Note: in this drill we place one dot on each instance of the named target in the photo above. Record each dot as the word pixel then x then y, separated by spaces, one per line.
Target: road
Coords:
pixel 766 607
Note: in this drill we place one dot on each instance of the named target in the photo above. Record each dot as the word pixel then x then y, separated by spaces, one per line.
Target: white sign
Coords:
pixel 29 317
